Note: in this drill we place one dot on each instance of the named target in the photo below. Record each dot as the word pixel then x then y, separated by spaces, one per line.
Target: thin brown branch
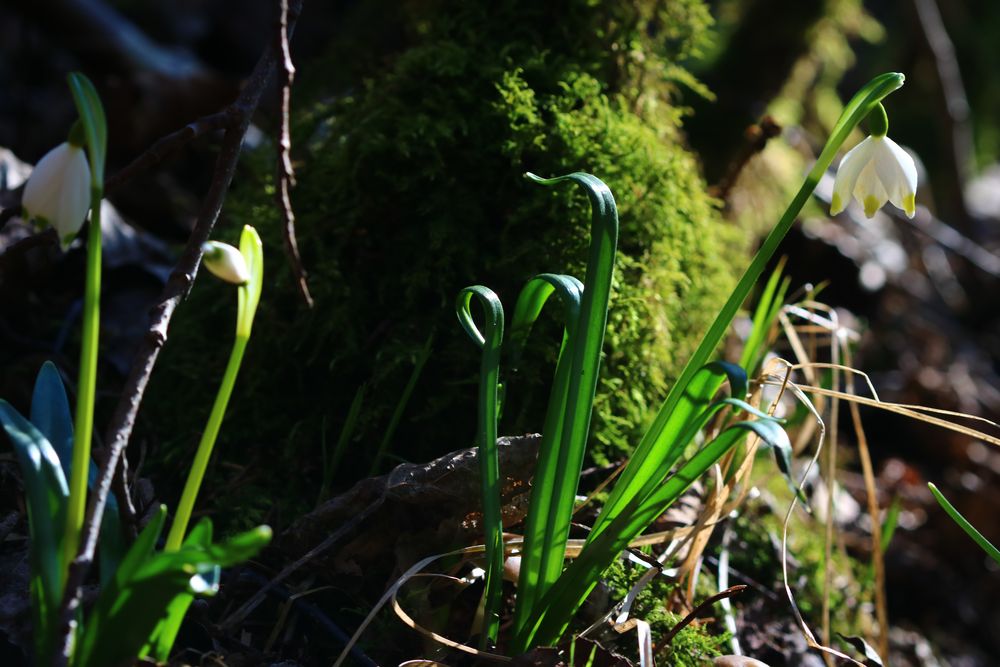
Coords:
pixel 167 145
pixel 177 287
pixel 697 611
pixel 286 174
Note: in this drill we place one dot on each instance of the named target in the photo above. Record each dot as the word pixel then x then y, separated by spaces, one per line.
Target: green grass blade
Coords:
pixel 343 440
pixel 964 524
pixel 490 343
pixel 763 318
pixel 404 399
pixel 891 522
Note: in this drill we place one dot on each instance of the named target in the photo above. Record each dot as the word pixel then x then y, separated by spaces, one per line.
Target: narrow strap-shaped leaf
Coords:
pixel 964 524
pixel 530 302
pixel 580 577
pixel 249 293
pixel 490 342
pixel 127 614
pixel 763 318
pixel 640 477
pixel 584 349
pixel 538 557
pixel 659 439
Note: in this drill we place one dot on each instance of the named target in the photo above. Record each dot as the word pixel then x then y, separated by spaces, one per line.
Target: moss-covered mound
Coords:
pixel 410 187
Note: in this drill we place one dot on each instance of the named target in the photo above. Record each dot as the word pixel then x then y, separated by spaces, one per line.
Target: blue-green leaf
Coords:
pixel 46 491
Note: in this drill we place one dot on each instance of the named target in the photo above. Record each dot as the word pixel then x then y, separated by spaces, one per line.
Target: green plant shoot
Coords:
pixel 248 298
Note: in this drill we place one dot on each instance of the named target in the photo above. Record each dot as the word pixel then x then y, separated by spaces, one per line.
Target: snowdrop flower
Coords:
pixel 876 171
pixel 58 191
pixel 226 262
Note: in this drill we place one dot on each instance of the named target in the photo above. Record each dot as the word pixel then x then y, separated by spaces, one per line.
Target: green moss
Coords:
pixel 694 645
pixel 410 187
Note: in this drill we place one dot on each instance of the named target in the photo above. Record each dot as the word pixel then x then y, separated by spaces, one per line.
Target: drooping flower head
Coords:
pixel 876 171
pixel 58 191
pixel 225 262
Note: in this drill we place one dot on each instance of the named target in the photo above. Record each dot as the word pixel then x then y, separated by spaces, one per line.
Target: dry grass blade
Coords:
pixel 806 631
pixel 441 639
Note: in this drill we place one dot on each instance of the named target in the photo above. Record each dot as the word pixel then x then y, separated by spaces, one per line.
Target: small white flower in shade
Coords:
pixel 876 171
pixel 226 262
pixel 58 191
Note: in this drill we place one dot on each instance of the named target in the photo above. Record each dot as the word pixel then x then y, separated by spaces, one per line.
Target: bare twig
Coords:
pixel 167 145
pixel 286 175
pixel 708 602
pixel 177 287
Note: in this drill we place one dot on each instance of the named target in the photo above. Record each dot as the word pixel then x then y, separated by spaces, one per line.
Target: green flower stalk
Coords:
pixel 95 133
pixel 246 269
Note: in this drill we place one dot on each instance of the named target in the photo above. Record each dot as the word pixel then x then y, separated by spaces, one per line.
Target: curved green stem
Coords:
pixel 489 461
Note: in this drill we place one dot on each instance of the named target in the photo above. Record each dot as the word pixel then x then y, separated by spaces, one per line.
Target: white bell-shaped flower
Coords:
pixel 58 191
pixel 876 171
pixel 225 262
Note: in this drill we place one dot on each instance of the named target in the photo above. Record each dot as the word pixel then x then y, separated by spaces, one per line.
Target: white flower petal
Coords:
pixel 869 190
pixel 899 174
pixel 58 190
pixel 847 175
pixel 876 171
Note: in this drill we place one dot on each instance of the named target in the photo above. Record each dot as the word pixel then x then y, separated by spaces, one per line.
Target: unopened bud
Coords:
pixel 225 262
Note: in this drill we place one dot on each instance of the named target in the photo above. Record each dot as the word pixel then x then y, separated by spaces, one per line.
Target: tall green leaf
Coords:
pixel 489 341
